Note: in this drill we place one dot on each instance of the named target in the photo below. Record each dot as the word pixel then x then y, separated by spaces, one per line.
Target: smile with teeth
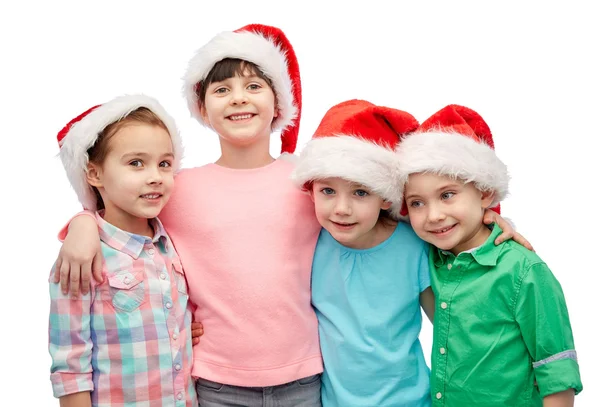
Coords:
pixel 151 196
pixel 244 116
pixel 442 230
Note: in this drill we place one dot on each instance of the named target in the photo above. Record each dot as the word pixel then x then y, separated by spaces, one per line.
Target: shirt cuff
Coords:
pixel 64 384
pixel 556 375
pixel 62 234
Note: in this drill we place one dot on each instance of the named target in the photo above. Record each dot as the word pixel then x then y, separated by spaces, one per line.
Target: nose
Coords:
pixel 435 213
pixel 155 176
pixel 238 96
pixel 342 206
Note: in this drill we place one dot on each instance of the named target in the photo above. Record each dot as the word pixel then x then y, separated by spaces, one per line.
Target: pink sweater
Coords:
pixel 246 239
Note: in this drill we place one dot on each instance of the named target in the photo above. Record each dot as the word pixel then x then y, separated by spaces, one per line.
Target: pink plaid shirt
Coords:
pixel 128 341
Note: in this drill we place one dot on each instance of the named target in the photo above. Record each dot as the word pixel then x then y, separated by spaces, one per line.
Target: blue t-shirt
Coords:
pixel 367 303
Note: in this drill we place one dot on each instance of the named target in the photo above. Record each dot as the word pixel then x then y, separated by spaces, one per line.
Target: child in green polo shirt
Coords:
pixel 502 335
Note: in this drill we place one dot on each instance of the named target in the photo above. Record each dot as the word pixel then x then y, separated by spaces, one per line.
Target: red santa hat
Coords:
pixel 269 49
pixel 81 133
pixel 456 142
pixel 355 141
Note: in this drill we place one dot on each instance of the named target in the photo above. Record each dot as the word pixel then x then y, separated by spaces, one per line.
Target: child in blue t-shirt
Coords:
pixel 370 274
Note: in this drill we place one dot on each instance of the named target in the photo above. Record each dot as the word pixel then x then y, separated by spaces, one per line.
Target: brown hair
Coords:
pixel 228 68
pixel 98 152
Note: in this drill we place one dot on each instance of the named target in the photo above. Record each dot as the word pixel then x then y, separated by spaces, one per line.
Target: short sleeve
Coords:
pixel 542 315
pixel 424 278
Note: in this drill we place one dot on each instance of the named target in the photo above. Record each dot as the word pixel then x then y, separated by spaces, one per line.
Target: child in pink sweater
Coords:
pixel 245 234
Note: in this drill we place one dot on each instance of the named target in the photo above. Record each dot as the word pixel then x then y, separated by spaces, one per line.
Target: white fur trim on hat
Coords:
pixel 291 158
pixel 353 159
pixel 457 156
pixel 83 135
pixel 248 46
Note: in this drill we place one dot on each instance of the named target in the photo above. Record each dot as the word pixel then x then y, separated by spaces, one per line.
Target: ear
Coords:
pixel 94 175
pixel 487 197
pixel 275 112
pixel 311 193
pixel 203 113
pixel 386 205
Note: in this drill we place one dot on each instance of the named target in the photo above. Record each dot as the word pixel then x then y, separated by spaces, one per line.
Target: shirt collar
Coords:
pixel 486 255
pixel 130 243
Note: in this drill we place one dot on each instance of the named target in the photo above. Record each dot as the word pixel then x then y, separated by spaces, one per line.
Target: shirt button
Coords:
pixel 442 351
pixel 163 276
pixel 168 305
pixel 175 336
pixel 449 266
pixel 438 395
pixel 178 367
pixel 126 280
pixel 150 252
pixel 179 396
pixel 444 305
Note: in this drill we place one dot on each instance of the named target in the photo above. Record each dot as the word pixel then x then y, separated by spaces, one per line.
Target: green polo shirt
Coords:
pixel 501 325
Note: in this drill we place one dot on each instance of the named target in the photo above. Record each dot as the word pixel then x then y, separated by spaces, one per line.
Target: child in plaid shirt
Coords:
pixel 128 341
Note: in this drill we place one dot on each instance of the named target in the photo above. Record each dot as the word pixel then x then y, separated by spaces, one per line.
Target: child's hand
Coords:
pixel 79 257
pixel 197 332
pixel 508 231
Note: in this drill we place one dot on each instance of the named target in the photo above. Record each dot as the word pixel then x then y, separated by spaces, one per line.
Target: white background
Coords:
pixel 530 70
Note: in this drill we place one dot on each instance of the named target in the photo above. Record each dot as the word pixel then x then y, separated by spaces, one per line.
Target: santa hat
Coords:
pixel 269 49
pixel 457 142
pixel 355 141
pixel 81 133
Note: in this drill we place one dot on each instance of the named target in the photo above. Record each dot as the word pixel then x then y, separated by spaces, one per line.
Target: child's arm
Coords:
pixel 70 342
pixel 80 255
pixel 426 297
pixel 563 399
pixel 508 231
pixel 82 399
pixel 541 312
pixel 427 300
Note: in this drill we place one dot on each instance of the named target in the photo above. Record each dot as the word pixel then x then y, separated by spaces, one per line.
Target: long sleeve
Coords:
pixel 542 315
pixel 70 342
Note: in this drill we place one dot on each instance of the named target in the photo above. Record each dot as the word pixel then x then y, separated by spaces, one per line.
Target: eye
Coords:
pixel 447 195
pixel 222 89
pixel 361 193
pixel 416 204
pixel 135 163
pixel 254 86
pixel 165 164
pixel 327 191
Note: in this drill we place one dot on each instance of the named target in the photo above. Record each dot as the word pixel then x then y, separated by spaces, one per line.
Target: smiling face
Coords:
pixel 350 212
pixel 447 213
pixel 135 178
pixel 240 108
